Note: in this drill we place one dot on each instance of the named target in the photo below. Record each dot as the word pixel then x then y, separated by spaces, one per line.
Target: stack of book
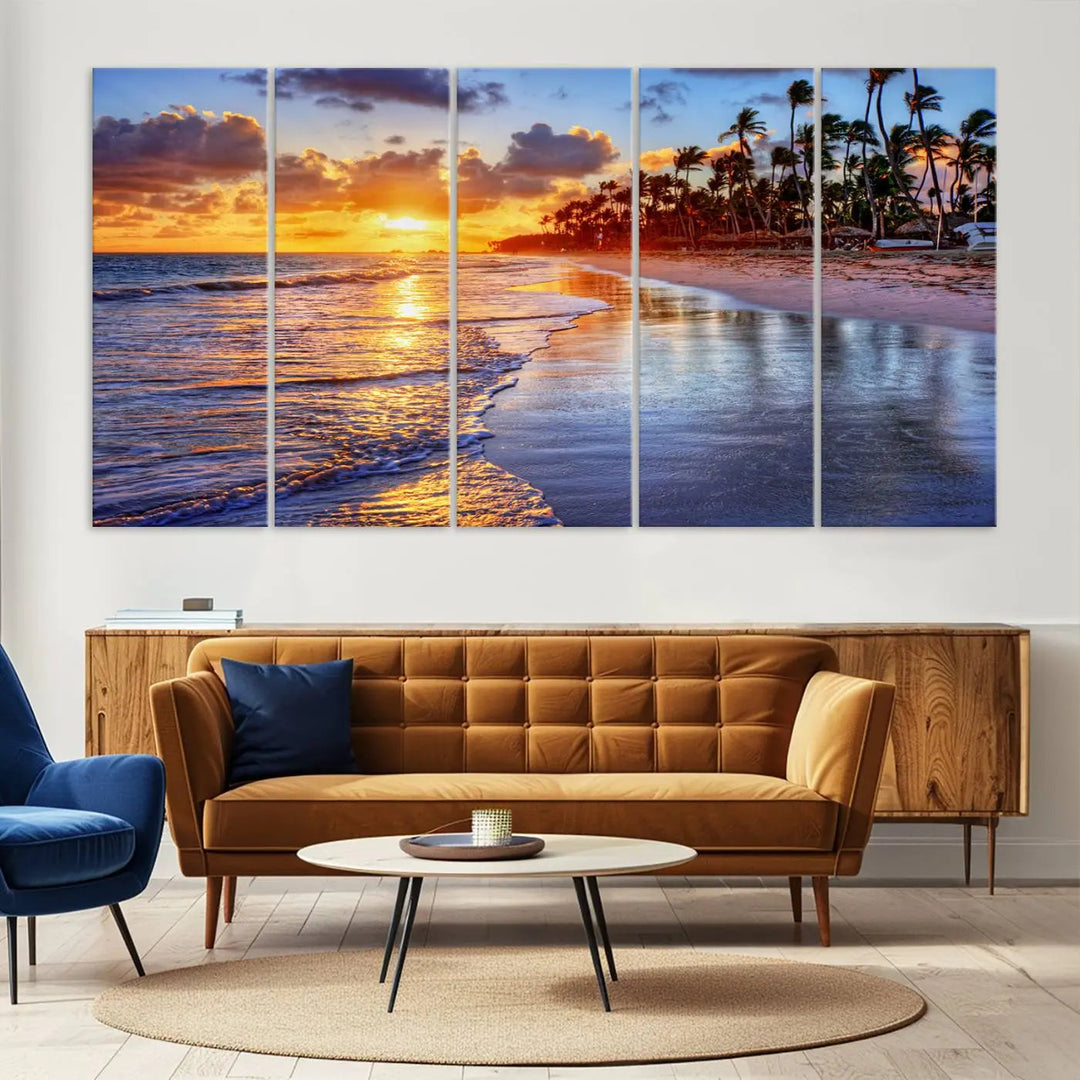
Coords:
pixel 170 619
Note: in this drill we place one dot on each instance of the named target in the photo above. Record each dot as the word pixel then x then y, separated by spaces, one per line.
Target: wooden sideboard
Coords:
pixel 959 747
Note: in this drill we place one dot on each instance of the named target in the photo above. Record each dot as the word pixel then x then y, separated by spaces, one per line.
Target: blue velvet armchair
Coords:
pixel 73 834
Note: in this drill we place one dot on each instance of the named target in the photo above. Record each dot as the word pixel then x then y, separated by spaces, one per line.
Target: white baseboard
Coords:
pixel 938 856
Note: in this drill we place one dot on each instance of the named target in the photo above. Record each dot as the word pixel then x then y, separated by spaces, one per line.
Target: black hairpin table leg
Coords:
pixel 395 922
pixel 601 925
pixel 590 936
pixel 406 933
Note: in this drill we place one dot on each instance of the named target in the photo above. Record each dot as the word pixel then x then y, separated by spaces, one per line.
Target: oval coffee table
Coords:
pixel 581 858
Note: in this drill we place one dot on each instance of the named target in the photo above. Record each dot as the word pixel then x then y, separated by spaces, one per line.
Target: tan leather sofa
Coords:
pixel 749 748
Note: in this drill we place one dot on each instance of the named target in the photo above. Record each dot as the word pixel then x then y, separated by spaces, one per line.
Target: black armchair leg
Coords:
pixel 31 938
pixel 121 925
pixel 13 957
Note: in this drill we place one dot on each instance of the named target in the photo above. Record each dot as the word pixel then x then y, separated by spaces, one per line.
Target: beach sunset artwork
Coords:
pixel 179 297
pixel 362 300
pixel 908 295
pixel 541 331
pixel 544 370
pixel 727 352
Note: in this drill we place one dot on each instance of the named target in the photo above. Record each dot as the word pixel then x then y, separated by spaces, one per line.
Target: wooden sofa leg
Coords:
pixel 821 902
pixel 795 885
pixel 230 898
pixel 213 906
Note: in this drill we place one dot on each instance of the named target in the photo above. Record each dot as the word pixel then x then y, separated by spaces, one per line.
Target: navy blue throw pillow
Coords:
pixel 291 719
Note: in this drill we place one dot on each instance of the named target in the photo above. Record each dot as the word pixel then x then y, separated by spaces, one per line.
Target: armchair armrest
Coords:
pixel 193 728
pixel 127 786
pixel 838 747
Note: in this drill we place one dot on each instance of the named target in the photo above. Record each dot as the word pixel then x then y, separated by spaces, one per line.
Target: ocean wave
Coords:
pixel 537 316
pixel 484 371
pixel 321 277
pixel 406 459
pixel 389 378
pixel 184 511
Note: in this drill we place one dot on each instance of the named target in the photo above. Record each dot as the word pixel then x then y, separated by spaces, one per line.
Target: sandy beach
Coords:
pixel 948 288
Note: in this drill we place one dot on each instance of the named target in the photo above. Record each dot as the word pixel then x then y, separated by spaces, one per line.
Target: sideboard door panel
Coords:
pixel 956 725
pixel 120 671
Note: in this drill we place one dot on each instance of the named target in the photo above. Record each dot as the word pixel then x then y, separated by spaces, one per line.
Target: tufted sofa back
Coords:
pixel 559 703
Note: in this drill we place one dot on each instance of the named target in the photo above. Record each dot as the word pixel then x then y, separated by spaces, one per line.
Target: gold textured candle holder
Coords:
pixel 491 827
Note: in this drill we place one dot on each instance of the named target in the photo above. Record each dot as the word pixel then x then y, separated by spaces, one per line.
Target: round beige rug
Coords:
pixel 511 1006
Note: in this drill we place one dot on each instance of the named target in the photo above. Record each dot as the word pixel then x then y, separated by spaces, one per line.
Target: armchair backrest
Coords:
pixel 23 753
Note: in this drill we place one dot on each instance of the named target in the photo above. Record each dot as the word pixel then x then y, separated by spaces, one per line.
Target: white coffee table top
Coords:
pixel 563 856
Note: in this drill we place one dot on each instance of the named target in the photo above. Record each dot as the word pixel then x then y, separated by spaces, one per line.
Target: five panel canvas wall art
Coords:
pixel 384 372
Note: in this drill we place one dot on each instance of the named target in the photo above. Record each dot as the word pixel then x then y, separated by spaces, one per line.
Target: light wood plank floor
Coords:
pixel 1001 973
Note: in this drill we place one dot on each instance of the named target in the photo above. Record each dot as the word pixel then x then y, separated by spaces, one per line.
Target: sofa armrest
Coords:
pixel 838 747
pixel 193 728
pixel 128 786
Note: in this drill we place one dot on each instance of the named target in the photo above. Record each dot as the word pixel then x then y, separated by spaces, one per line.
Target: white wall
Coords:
pixel 60 576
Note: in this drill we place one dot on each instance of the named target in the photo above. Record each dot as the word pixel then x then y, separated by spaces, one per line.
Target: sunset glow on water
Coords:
pixel 378 386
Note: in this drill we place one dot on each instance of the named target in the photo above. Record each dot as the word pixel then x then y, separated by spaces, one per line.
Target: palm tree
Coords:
pixel 783 158
pixel 799 94
pixel 688 159
pixel 981 157
pixel 977 125
pixel 937 138
pixel 865 171
pixel 927 99
pixel 660 192
pixel 746 124
pixel 609 187
pixel 691 158
pixel 858 131
pixel 833 132
pixel 877 80
pixel 726 171
pixel 989 163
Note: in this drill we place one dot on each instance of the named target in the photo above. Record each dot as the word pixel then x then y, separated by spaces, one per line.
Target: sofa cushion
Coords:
pixel 709 811
pixel 42 847
pixel 290 719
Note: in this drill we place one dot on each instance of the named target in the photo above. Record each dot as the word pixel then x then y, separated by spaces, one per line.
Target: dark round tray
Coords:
pixel 458 847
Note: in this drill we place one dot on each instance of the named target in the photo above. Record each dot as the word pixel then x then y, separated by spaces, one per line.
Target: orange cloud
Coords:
pixel 184 180
pixel 406 183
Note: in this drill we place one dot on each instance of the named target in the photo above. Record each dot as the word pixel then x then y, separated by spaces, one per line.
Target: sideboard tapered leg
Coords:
pixel 991 849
